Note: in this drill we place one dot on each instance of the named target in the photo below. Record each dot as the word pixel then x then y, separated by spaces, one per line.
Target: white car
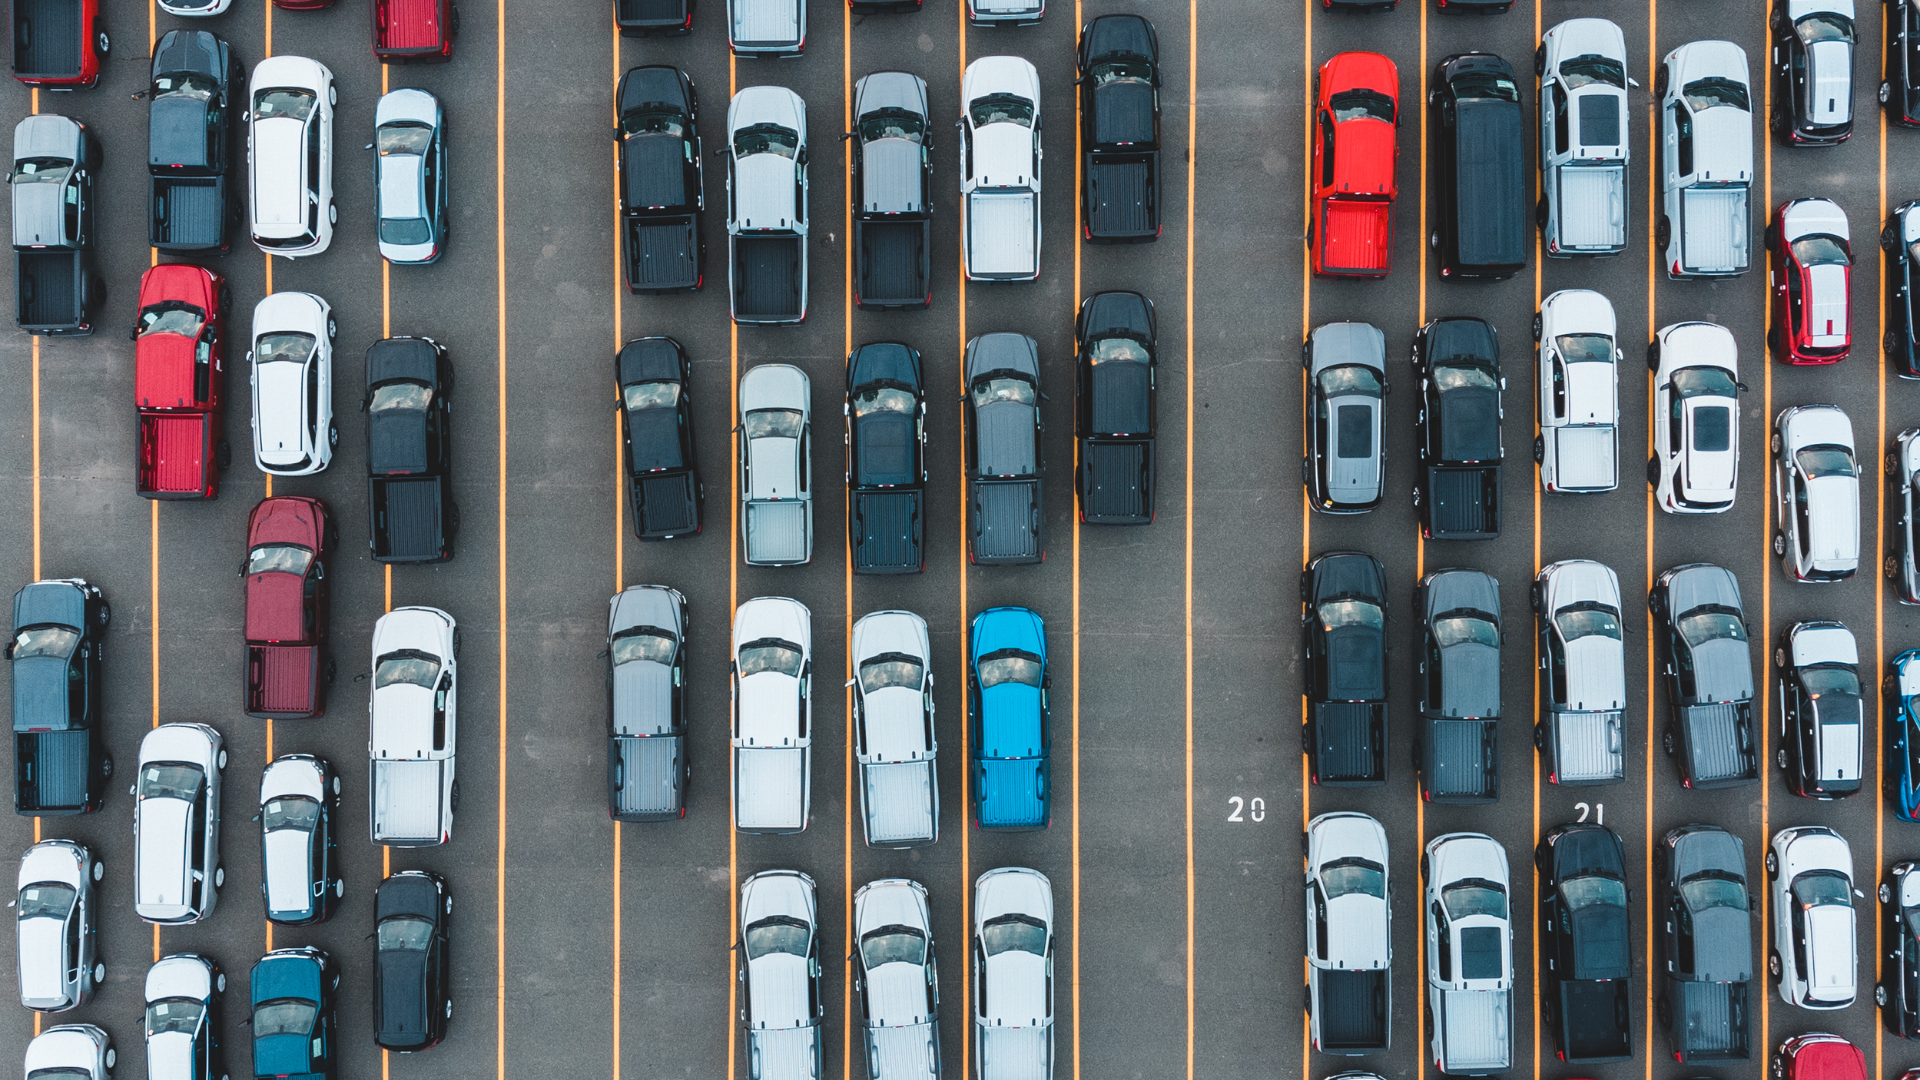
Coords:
pixel 412 724
pixel 300 878
pixel 410 176
pixel 1013 974
pixel 1695 466
pixel 1349 933
pixel 776 465
pixel 893 729
pixel 71 1052
pixel 776 28
pixel 1469 931
pixel 290 156
pixel 176 824
pixel 1006 12
pixel 188 9
pixel 291 371
pixel 898 980
pixel 182 996
pixel 1000 169
pixel 1582 64
pixel 772 723
pixel 1578 445
pixel 1706 161
pixel 1811 871
pixel 1817 487
pixel 56 917
pixel 779 972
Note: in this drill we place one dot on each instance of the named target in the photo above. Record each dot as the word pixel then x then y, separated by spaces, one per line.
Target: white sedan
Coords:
pixel 1696 418
pixel 291 371
pixel 1817 485
pixel 290 156
pixel 1811 870
pixel 56 917
pixel 1013 973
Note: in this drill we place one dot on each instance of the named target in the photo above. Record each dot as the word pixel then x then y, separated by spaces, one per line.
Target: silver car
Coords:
pixel 898 981
pixel 1817 491
pixel 1469 953
pixel 56 919
pixel 776 465
pixel 1695 467
pixel 300 877
pixel 1013 955
pixel 893 729
pixel 1583 673
pixel 1811 869
pixel 71 1052
pixel 1584 146
pixel 176 824
pixel 410 176
pixel 772 715
pixel 182 1021
pixel 1349 934
pixel 779 971
pixel 1346 456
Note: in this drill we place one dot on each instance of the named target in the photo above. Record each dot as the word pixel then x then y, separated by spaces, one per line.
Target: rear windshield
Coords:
pixel 282 104
pixel 405 231
pixel 279 559
pixel 1824 26
pixel 1713 92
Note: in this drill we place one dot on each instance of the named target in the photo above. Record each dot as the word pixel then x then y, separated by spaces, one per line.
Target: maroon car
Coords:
pixel 287 665
pixel 414 31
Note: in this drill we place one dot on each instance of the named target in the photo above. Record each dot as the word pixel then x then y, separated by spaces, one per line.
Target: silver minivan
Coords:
pixel 56 919
pixel 176 824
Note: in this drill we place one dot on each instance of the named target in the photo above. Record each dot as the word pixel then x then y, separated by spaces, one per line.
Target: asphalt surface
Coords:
pixel 604 950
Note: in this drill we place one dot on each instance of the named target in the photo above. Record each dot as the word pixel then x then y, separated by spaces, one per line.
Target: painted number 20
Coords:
pixel 1254 809
pixel 1599 812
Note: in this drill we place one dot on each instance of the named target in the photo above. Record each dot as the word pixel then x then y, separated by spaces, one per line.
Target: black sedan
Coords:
pixel 656 425
pixel 1114 408
pixel 1900 93
pixel 1706 944
pixel 1701 628
pixel 411 1005
pixel 1900 239
pixel 1588 948
pixel 1813 67
pixel 190 141
pixel 1898 993
pixel 886 412
pixel 1343 629
pixel 661 182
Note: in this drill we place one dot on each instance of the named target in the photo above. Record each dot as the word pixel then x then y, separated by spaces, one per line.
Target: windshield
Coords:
pixel 766 139
pixel 891 124
pixel 278 559
pixel 40 171
pixel 408 667
pixel 1465 629
pixel 1009 665
pixel 1839 681
pixel 1015 388
pixel 1709 93
pixel 1002 109
pixel 890 669
pixel 1344 876
pixel 1359 104
pixel 171 781
pixel 1350 380
pixel 768 655
pixel 1138 71
pixel 1592 68
pixel 654 122
pixel 185 84
pixel 400 397
pixel 1707 626
pixel 1824 26
pixel 1335 614
pixel 1587 621
pixel 777 934
pixel 290 812
pixel 405 933
pixel 1819 461
pixel 1702 893
pixel 1820 887
pixel 1581 348
pixel 1121 349
pixel 172 317
pixel 1014 933
pixel 1475 897
pixel 642 643
pixel 1482 85
pixel 403 138
pixel 883 399
pixel 282 104
pixel 1704 382
pixel 771 424
pixel 284 1018
pixel 1819 250
pixel 1593 891
pixel 291 346
pixel 651 395
pixel 408 231
pixel 175 1016
pixel 894 945
pixel 55 641
pixel 47 900
pixel 1449 377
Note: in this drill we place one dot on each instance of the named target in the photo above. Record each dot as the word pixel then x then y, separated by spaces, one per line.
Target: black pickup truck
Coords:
pixel 60 762
pixel 1119 66
pixel 1458 430
pixel 56 289
pixel 1114 408
pixel 1706 658
pixel 1343 631
pixel 410 506
pixel 661 181
pixel 1457 748
pixel 190 143
pixel 1003 450
pixel 656 427
pixel 1588 948
pixel 1707 943
pixel 892 218
pixel 886 413
pixel 645 18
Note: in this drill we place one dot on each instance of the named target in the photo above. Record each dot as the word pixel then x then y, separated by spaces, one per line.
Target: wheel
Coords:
pixel 333 330
pixel 1779 543
pixel 333 533
pixel 336 785
pixel 106 767
pixel 333 94
pixel 1666 742
pixel 220 983
pixel 339 887
pixel 1886 893
pixel 1653 472
pixel 453 31
pixel 449 1008
pixel 105 615
pixel 1890 344
pixel 219 876
pixel 1889 240
pixel 1540 60
pixel 226 299
pixel 101 43
pixel 1535 598
pixel 333 433
pixel 333 218
pixel 456 643
pixel 220 762
pixel 111 1057
pixel 1773 865
pixel 1540 221
pixel 223 455
pixel 99 973
pixel 1423 867
pixel 453 800
pixel 1539 737
pixel 1662 232
pixel 99 870
pixel 1886 92
pixel 1539 324
pixel 1780 658
pixel 1664 1009
pixel 1434 241
pixel 1892 568
pixel 1773 964
pixel 1660 82
pixel 1880 996
pixel 331 672
pixel 447 907
pixel 1780 758
pixel 1653 355
pixel 1539 450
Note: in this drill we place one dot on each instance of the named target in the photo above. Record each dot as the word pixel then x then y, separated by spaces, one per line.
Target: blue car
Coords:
pixel 1009 706
pixel 1903 735
pixel 293 1032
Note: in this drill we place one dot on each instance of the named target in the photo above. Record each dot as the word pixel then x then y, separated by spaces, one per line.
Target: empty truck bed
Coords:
pixel 1006 521
pixel 51 771
pixel 1585 457
pixel 899 802
pixel 47 37
pixel 1715 1018
pixel 662 254
pixel 172 454
pixel 767 279
pixel 406 801
pixel 1589 747
pixel 1716 230
pixel 1465 502
pixel 1354 236
pixel 48 288
pixel 1114 479
pixel 1017 1053
pixel 770 789
pixel 280 678
pixel 406 515
pixel 893 263
pixel 1120 196
pixel 1349 742
pixel 1352 1010
pixel 1593 207
pixel 1595 1019
pixel 777 531
pixel 1721 745
pixel 1478 1033
pixel 887 532
pixel 187 212
pixel 649 771
pixel 1460 757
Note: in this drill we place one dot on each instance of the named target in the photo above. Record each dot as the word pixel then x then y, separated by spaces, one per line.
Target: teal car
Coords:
pixel 1008 676
pixel 293 1025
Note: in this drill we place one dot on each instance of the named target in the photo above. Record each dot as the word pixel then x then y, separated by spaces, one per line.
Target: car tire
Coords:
pixel 1885 92
pixel 1663 231
pixel 220 983
pixel 1772 863
pixel 102 44
pixel 1653 472
pixel 333 218
pixel 1890 343
pixel 1780 758
pixel 1664 1010
pixel 333 94
pixel 456 643
pixel 110 1057
pixel 1889 240
pixel 1540 219
pixel 333 329
pixel 1892 568
pixel 1539 737
pixel 220 761
pixel 1773 965
pixel 453 23
pixel 99 871
pixel 1539 449
pixel 223 455
pixel 333 433
pixel 1434 241
pixel 1539 323
pixel 1880 995
pixel 1886 893
pixel 339 888
pixel 99 973
pixel 453 799
pixel 226 300
pixel 105 615
pixel 449 1008
pixel 1667 743
pixel 332 671
pixel 1780 658
pixel 1540 59
pixel 1535 598
pixel 1780 543
pixel 106 767
pixel 336 785
pixel 219 877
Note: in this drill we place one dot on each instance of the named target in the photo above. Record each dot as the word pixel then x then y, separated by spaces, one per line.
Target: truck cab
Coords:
pixel 410 510
pixel 776 465
pixel 60 757
pixel 1458 429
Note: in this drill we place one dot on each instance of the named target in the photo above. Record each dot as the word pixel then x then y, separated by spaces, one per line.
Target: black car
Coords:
pixel 1900 93
pixel 411 1002
pixel 1343 633
pixel 646 18
pixel 1457 489
pixel 1480 170
pixel 656 426
pixel 1706 943
pixel 1457 747
pixel 1474 7
pixel 1588 947
pixel 58 649
pixel 661 180
pixel 1898 992
pixel 1900 239
pixel 190 142
pixel 1113 412
pixel 1822 710
pixel 1701 628
pixel 1813 69
pixel 1119 66
pixel 886 412
pixel 410 451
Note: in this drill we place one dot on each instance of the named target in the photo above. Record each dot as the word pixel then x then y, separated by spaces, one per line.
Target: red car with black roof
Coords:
pixel 288 670
pixel 179 358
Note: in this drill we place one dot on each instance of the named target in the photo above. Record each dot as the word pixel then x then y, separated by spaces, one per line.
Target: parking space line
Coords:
pixel 846 307
pixel 1193 152
pixel 1307 70
pixel 1653 143
pixel 1880 547
pixel 1539 270
pixel 733 604
pixel 1766 572
pixel 966 687
pixel 500 339
pixel 619 506
pixel 1078 183
pixel 1420 548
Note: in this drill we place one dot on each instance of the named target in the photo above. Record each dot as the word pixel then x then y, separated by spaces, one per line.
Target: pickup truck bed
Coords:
pixel 1018 1053
pixel 407 24
pixel 1715 230
pixel 1463 502
pixel 649 771
pixel 283 680
pixel 1348 742
pixel 777 531
pixel 1006 521
pixel 51 770
pixel 1476 1029
pixel 1585 458
pixel 1710 1021
pixel 1116 481
pixel 888 532
pixel 652 15
pixel 1354 236
pixel 406 801
pixel 898 1051
pixel 891 265
pixel 1594 1020
pixel 1719 744
pixel 1012 793
pixel 173 451
pixel 406 518
pixel 1588 747
pixel 48 37
pixel 767 279
pixel 1459 758
pixel 662 254
pixel 1350 1016
pixel 1000 236
pixel 1123 196
pixel 1600 191
pixel 189 213
pixel 769 785
pixel 899 802
pixel 52 292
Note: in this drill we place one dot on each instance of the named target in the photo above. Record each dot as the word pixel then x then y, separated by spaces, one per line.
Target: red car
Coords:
pixel 1810 262
pixel 1818 1056
pixel 58 43
pixel 302 5
pixel 414 31
pixel 179 359
pixel 288 671
pixel 1354 151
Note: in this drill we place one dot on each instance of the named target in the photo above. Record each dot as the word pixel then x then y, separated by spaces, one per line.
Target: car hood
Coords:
pixel 1471 681
pixel 1005 434
pixel 642 698
pixel 1835 540
pixel 1723 945
pixel 765 190
pixel 279 194
pixel 1016 989
pixel 1356 664
pixel 1723 670
pixel 769 710
pixel 777 992
pixel 1596 673
pixel 38 215
pixel 1591 393
pixel 1830 82
pixel 400 994
pixel 281 1055
pixel 275 607
pixel 773 465
pixel 1003 155
pixel 896 724
pixel 288 858
pixel 1336 344
pixel 42 945
pixel 40 693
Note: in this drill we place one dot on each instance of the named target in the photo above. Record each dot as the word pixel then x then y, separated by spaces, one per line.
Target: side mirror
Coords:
pixel 844 136
pixel 369 146
pixel 9 650
pixel 243 568
pixel 134 334
pixel 1742 386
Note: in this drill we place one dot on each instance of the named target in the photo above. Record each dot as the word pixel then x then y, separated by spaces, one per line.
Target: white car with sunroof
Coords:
pixel 176 824
pixel 1695 467
pixel 290 103
pixel 290 367
pixel 410 176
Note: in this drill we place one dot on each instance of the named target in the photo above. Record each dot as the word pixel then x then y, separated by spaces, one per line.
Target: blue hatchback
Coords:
pixel 1903 735
pixel 1009 707
pixel 293 1027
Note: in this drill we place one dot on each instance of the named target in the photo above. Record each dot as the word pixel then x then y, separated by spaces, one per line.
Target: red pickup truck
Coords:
pixel 288 670
pixel 58 43
pixel 1354 151
pixel 179 370
pixel 414 31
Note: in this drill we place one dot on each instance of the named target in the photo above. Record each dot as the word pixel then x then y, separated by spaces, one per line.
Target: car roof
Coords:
pixel 56 601
pixel 883 360
pixel 657 358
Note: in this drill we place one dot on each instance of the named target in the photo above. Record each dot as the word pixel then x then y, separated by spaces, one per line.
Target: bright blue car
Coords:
pixel 1903 731
pixel 293 1032
pixel 1009 705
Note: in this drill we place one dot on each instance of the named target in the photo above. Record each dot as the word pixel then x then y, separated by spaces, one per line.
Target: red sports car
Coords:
pixel 1354 151
pixel 1810 264
pixel 179 360
pixel 287 667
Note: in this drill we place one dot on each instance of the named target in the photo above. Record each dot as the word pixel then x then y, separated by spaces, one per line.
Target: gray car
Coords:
pixel 779 970
pixel 56 918
pixel 52 182
pixel 410 176
pixel 646 704
pixel 898 980
pixel 1347 376
pixel 1003 449
pixel 1583 673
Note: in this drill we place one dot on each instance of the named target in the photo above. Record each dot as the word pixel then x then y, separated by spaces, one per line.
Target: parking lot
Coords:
pixel 603 950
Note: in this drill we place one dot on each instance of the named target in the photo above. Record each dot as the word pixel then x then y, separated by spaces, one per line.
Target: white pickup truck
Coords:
pixel 1706 161
pixel 411 724
pixel 1000 169
pixel 893 729
pixel 1582 64
pixel 772 699
pixel 776 465
pixel 1578 445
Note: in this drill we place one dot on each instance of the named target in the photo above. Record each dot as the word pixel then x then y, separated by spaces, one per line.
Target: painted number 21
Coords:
pixel 1254 809
pixel 1599 812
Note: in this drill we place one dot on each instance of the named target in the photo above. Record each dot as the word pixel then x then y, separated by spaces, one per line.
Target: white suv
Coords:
pixel 290 156
pixel 291 369
pixel 56 916
pixel 1817 483
pixel 1695 465
pixel 176 824
pixel 1811 873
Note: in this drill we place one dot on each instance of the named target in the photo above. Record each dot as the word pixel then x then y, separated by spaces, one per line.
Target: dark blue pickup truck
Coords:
pixel 60 759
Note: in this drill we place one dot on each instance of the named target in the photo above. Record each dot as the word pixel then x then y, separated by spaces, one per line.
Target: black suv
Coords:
pixel 656 427
pixel 411 1002
pixel 1588 947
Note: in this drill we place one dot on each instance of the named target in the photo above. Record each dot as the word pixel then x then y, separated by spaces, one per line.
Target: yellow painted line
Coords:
pixel 733 604
pixel 1074 736
pixel 846 348
pixel 1533 361
pixel 1653 188
pixel 1420 552
pixel 1880 547
pixel 500 389
pixel 619 521
pixel 1766 546
pixel 966 733
pixel 269 32
pixel 1307 105
pixel 1193 153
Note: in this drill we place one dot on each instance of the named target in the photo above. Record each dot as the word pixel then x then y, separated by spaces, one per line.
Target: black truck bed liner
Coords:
pixel 189 213
pixel 51 770
pixel 1123 196
pixel 1352 1013
pixel 1594 1020
pixel 1710 1021
pixel 1459 759
pixel 47 37
pixel 406 517
pixel 1006 520
pixel 662 254
pixel 891 264
pixel 888 530
pixel 1348 741
pixel 1463 502
pixel 766 278
pixel 655 16
pixel 50 291
pixel 1116 480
